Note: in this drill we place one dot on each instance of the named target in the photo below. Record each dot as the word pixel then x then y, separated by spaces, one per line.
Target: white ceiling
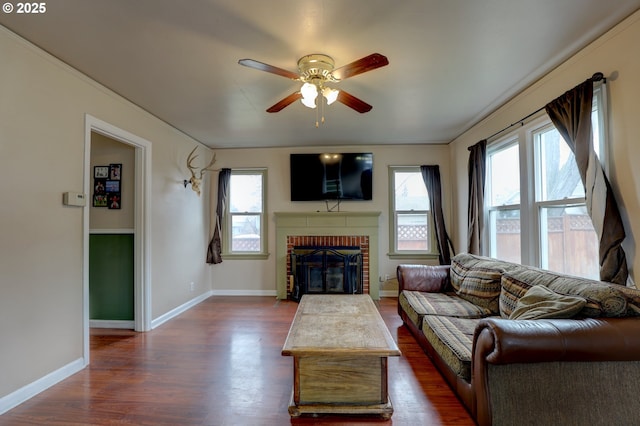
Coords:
pixel 452 62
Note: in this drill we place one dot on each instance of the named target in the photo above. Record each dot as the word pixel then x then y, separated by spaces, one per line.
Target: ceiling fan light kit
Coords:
pixel 314 71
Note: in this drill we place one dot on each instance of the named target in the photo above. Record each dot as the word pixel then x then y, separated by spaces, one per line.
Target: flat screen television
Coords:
pixel 331 176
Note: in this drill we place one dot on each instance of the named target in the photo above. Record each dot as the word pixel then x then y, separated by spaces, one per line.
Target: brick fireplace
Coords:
pixel 354 244
pixel 327 229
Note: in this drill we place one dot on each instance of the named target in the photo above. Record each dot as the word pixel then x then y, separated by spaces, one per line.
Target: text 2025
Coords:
pixel 31 7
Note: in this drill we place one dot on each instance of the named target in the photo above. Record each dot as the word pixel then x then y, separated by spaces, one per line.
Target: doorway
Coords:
pixel 139 221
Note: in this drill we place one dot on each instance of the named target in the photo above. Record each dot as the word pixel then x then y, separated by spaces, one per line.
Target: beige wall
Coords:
pixel 259 275
pixel 42 131
pixel 615 55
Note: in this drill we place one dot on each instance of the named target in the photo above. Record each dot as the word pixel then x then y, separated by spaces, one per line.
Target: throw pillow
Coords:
pixel 540 302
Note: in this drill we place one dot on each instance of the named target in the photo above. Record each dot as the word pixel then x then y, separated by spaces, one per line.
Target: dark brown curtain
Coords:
pixel 214 251
pixel 475 213
pixel 431 177
pixel 571 114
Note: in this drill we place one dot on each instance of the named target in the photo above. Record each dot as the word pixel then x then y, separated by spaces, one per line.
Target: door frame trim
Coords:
pixel 142 223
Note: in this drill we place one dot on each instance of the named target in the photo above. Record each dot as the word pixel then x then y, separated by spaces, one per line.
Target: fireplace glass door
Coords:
pixel 326 270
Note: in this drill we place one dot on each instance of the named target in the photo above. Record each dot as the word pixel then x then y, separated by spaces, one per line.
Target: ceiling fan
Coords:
pixel 315 71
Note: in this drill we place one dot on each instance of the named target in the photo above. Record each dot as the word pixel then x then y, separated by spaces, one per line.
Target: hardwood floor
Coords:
pixel 220 364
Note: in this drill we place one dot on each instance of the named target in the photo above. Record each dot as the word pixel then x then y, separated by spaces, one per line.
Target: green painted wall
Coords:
pixel 111 277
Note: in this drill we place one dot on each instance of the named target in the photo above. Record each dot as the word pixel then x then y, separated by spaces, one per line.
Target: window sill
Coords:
pixel 429 256
pixel 245 256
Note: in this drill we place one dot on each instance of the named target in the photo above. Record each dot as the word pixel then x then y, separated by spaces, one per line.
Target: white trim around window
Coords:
pixel 245 218
pixel 411 226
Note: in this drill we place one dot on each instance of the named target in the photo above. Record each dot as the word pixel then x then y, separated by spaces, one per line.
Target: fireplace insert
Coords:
pixel 326 270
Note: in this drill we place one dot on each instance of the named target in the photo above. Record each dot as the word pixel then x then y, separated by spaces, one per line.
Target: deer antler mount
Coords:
pixel 197 174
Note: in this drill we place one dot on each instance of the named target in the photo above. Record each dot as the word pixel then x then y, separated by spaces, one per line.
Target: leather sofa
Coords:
pixel 521 345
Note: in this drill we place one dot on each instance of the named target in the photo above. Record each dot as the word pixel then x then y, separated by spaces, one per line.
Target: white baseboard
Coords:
pixel 125 325
pixel 244 293
pixel 387 293
pixel 180 309
pixel 32 389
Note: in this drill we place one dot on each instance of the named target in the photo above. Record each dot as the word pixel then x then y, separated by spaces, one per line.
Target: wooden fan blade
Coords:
pixel 269 68
pixel 368 63
pixel 353 102
pixel 285 102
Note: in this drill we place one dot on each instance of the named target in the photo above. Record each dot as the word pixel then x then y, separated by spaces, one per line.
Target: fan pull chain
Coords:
pixel 320 111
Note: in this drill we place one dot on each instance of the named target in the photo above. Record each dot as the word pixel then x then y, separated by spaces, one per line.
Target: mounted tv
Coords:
pixel 331 176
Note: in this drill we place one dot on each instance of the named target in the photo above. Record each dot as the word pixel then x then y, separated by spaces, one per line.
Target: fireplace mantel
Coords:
pixel 325 223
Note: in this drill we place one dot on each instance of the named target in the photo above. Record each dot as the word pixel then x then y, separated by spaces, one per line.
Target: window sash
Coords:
pixel 246 205
pixel 414 238
pixel 242 240
pixel 548 179
pixel 505 233
pixel 494 196
pixel 567 238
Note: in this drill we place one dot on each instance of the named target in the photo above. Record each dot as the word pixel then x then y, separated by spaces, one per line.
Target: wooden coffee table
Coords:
pixel 340 346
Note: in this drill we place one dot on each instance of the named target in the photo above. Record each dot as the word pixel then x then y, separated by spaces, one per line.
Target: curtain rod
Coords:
pixel 596 77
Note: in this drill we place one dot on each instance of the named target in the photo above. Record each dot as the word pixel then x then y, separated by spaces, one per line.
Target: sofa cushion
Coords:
pixel 417 304
pixel 540 302
pixel 452 339
pixel 477 279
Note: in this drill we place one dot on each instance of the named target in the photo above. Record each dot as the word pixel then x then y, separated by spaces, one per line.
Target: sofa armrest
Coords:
pixel 503 341
pixel 557 351
pixel 426 278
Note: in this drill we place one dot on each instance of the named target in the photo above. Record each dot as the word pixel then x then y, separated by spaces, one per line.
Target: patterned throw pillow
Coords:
pixel 540 302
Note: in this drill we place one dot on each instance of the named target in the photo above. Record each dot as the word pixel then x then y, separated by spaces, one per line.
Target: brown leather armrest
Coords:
pixel 503 341
pixel 426 278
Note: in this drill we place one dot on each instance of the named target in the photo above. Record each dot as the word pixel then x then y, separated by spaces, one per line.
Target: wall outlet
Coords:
pixel 192 286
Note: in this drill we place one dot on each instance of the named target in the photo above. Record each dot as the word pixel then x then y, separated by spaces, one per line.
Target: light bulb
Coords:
pixel 308 102
pixel 330 94
pixel 309 93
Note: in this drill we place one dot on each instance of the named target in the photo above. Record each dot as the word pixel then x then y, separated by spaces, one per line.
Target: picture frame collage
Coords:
pixel 107 189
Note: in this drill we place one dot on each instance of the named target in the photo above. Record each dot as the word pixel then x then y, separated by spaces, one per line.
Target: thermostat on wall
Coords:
pixel 73 199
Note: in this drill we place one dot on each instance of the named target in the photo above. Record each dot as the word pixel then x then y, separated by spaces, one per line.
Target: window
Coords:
pixel 245 213
pixel 535 199
pixel 568 242
pixel 503 195
pixel 411 228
